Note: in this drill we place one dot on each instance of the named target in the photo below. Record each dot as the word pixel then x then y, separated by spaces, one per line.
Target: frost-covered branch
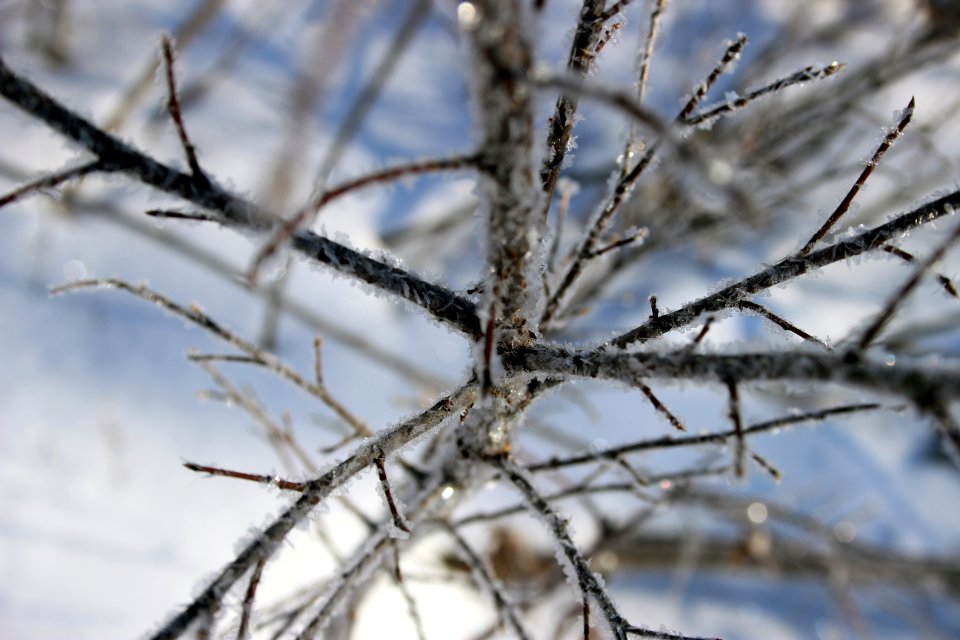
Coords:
pixel 116 156
pixel 916 382
pixel 502 55
pixel 789 268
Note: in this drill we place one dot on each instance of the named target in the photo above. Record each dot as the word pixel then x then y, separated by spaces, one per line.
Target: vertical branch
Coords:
pixel 398 520
pixel 502 58
pixel 589 28
pixel 173 107
pixel 243 632
pixel 643 74
pixel 737 420
pixel 407 596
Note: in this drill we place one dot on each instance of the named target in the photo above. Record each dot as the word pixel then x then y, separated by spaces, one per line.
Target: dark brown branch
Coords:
pixel 844 205
pixel 173 107
pixel 735 417
pixel 398 520
pixel 243 631
pixel 275 481
pixel 909 258
pixel 779 321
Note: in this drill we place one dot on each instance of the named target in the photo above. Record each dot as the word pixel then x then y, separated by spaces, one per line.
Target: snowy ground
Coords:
pixel 103 533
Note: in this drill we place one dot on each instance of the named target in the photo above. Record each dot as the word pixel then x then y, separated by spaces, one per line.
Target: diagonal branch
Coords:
pixel 116 156
pixel 316 491
pixel 789 268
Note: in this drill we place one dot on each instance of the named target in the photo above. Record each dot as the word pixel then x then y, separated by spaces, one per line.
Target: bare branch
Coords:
pixel 789 268
pixel 51 180
pixel 844 205
pixel 118 157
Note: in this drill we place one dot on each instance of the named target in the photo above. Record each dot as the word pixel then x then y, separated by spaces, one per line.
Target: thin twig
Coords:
pixel 780 321
pixel 909 258
pixel 898 298
pixel 844 205
pixel 488 581
pixel 589 584
pixel 398 520
pixel 789 268
pixel 720 437
pixel 173 107
pixel 735 417
pixel 807 74
pixel 243 631
pixel 300 219
pixel 51 180
pixel 269 480
pixel 195 315
pixel 412 607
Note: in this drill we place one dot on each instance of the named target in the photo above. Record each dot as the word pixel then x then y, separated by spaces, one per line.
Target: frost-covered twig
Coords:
pixel 579 61
pixel 789 268
pixel 196 315
pixel 276 481
pixel 807 74
pixel 173 107
pixel 243 631
pixel 51 180
pixel 593 489
pixel 629 174
pixel 781 322
pixel 899 297
pixel 844 205
pixel 721 437
pixel 300 219
pixel 569 553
